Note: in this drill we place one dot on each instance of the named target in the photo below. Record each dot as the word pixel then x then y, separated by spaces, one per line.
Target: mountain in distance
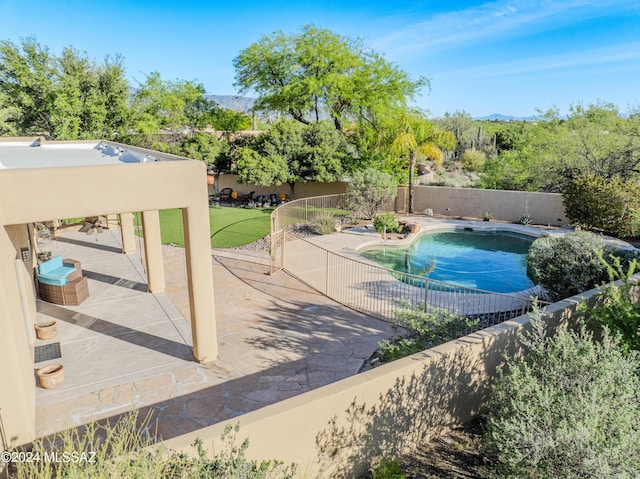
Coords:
pixel 242 104
pixel 501 117
pixel 245 104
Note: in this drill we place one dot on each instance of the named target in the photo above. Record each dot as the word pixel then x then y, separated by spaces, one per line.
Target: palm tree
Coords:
pixel 414 135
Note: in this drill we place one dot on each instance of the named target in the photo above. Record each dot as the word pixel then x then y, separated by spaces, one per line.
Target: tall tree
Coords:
pixel 27 80
pixel 316 74
pixel 169 108
pixel 290 152
pixel 409 133
pixel 66 97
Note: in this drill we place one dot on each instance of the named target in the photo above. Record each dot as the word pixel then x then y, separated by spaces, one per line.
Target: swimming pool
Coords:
pixel 488 260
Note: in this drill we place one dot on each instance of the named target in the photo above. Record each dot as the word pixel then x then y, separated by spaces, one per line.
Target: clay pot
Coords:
pixel 47 329
pixel 51 376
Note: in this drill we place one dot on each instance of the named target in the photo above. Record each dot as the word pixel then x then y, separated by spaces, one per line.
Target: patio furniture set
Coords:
pixel 231 197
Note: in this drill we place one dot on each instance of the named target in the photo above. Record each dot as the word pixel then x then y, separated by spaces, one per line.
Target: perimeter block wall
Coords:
pixel 338 430
pixel 544 208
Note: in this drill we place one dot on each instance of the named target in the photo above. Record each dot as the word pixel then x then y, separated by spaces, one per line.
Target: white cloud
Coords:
pixel 499 19
pixel 603 58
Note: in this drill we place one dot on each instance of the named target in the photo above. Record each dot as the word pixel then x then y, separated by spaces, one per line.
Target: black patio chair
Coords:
pixel 225 194
pixel 246 199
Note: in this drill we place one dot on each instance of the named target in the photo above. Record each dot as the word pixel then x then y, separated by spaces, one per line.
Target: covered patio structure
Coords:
pixel 42 181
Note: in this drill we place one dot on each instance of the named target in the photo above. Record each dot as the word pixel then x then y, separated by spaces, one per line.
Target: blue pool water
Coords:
pixel 492 261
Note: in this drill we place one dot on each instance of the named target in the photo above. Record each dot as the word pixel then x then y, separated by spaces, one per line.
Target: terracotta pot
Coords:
pixel 51 376
pixel 209 179
pixel 47 329
pixel 282 197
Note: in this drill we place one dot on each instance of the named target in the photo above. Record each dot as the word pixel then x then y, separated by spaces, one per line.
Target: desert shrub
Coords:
pixel 368 190
pixel 473 160
pixel 230 462
pixel 570 409
pixel 610 205
pixel 616 310
pixel 123 450
pixel 574 263
pixel 568 264
pixel 426 329
pixel 388 469
pixel 388 221
pixel 324 224
pixel 525 219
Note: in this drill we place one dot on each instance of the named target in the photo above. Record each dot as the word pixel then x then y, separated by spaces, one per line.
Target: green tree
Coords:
pixel 290 152
pixel 168 108
pixel 223 119
pixel 547 153
pixel 316 73
pixel 412 135
pixel 67 97
pixel 27 80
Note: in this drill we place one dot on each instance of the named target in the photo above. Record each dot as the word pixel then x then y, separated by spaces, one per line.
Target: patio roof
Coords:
pixel 39 154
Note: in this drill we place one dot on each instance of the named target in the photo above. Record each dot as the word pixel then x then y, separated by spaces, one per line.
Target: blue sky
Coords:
pixel 508 57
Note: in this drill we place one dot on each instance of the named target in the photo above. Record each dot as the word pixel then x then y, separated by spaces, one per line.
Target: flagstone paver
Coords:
pixel 126 348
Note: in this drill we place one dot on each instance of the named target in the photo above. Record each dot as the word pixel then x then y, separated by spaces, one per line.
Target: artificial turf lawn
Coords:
pixel 229 226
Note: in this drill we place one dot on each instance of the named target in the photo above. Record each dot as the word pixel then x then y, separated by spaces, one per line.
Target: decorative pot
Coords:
pixel 51 376
pixel 47 329
pixel 282 196
pixel 209 179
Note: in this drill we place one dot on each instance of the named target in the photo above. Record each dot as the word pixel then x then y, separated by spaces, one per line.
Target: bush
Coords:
pixel 473 160
pixel 123 450
pixel 368 190
pixel 570 409
pixel 568 264
pixel 388 221
pixel 616 310
pixel 610 205
pixel 324 224
pixel 426 329
pixel 388 469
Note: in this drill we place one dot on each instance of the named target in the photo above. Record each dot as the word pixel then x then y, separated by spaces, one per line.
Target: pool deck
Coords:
pixel 125 348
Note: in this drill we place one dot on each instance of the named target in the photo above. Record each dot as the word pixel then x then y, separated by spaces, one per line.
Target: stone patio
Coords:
pixel 125 348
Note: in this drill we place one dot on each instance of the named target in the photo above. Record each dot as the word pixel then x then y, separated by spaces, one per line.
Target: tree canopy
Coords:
pixel 545 154
pixel 66 97
pixel 315 74
pixel 290 152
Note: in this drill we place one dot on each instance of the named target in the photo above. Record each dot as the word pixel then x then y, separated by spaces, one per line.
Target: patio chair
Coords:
pixel 246 199
pixel 274 200
pixel 225 194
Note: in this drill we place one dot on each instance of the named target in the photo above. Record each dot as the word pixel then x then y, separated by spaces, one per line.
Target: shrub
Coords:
pixel 525 219
pixel 123 450
pixel 388 221
pixel 473 160
pixel 426 329
pixel 610 205
pixel 616 310
pixel 570 409
pixel 568 264
pixel 368 190
pixel 324 224
pixel 387 469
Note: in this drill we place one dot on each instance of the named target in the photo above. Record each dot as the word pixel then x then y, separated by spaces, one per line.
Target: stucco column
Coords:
pixel 197 242
pixel 17 394
pixel 153 251
pixel 128 236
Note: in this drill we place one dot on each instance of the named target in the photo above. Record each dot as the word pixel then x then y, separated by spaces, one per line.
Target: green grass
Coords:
pixel 230 227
